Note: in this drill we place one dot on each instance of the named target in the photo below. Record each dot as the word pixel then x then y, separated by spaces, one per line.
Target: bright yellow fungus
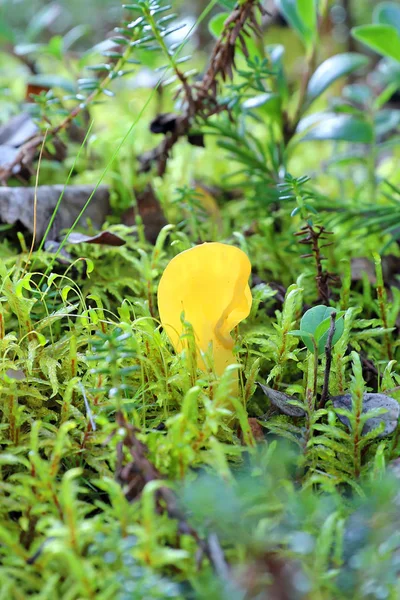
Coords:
pixel 209 285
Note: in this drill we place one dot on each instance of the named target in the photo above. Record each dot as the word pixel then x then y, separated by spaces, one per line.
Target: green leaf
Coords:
pixel 322 332
pixel 296 332
pixel 322 329
pixel 23 49
pixel 302 17
pixel 342 127
pixel 315 323
pixel 308 11
pixel 41 338
pixel 358 93
pixel 324 325
pixel 7 33
pixel 387 13
pixel 384 39
pixel 216 24
pixel 75 34
pixel 313 317
pixel 53 81
pixel 65 291
pixel 89 266
pixel 256 101
pixel 276 53
pixel 301 334
pixel 331 69
pixel 228 4
pixel 386 120
pixel 268 100
pixel 55 47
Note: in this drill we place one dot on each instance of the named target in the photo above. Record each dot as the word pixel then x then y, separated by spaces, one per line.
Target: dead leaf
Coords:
pixel 269 576
pixel 17 131
pixel 196 139
pixel 222 193
pixel 282 401
pixel 256 429
pixel 17 206
pixel 149 209
pixel 370 402
pixel 64 257
pixel 390 269
pixel 106 238
pixel 164 123
pixel 33 89
pixel 7 155
pixel 359 266
pixel 20 140
pixel 16 374
pixel 13 135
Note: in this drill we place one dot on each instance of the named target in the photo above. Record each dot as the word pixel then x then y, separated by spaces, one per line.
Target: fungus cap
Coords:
pixel 209 284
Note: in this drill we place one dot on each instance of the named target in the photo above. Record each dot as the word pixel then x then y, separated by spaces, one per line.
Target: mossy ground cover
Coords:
pixel 128 472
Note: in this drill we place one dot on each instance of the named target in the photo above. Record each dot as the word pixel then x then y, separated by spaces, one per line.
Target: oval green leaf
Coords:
pixel 384 39
pixel 315 322
pixel 302 17
pixel 269 100
pixel 342 127
pixel 332 69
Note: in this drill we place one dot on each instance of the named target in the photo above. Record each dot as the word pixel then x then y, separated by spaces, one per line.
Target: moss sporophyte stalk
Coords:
pixel 207 287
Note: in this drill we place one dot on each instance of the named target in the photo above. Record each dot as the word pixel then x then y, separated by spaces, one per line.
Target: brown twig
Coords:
pixel 313 237
pixel 328 354
pixel 200 98
pixel 139 471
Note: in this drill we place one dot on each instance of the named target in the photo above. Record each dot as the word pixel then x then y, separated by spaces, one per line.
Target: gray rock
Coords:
pixel 370 402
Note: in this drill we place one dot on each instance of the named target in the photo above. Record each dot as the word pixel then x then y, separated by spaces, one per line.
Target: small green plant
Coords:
pixel 315 327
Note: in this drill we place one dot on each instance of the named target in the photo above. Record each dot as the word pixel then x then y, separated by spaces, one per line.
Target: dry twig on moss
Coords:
pixel 135 474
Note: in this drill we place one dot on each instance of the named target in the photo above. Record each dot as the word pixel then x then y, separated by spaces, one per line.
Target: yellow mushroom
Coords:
pixel 209 285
